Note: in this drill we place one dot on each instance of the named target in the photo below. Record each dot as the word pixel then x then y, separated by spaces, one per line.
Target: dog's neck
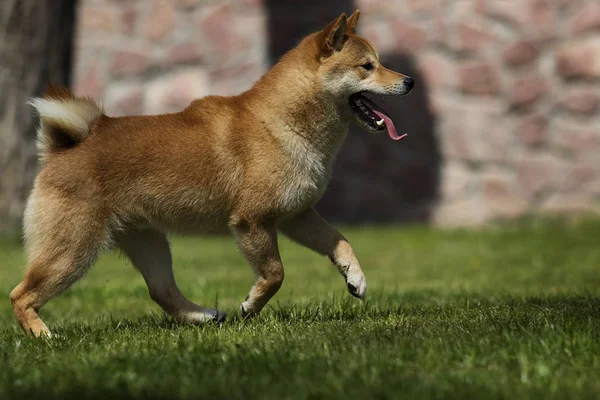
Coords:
pixel 291 96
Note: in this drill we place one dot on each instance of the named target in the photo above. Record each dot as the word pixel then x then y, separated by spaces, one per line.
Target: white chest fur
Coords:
pixel 309 169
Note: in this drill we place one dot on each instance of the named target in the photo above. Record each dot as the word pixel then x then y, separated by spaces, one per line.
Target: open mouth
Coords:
pixel 372 117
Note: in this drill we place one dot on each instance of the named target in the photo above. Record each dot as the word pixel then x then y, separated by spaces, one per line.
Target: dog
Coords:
pixel 255 163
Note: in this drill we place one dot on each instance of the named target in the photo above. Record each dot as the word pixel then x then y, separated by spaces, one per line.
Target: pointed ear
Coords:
pixel 333 37
pixel 352 20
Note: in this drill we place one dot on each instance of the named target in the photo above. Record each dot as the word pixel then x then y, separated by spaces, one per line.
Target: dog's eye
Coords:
pixel 368 66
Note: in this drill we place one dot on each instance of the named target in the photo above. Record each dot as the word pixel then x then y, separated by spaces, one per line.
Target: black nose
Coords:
pixel 409 82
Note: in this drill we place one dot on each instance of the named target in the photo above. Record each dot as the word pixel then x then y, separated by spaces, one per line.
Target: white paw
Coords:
pixel 201 317
pixel 356 283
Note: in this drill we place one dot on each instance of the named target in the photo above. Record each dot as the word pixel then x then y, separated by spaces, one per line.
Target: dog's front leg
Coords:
pixel 258 243
pixel 311 230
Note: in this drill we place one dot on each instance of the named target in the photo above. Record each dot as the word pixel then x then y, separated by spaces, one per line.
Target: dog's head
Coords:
pixel 349 67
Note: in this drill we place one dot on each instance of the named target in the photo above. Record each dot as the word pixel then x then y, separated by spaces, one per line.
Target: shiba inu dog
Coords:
pixel 256 163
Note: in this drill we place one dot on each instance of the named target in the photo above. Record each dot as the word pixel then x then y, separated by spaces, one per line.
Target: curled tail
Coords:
pixel 64 120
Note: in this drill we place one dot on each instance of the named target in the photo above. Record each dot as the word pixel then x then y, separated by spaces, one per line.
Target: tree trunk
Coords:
pixel 36 41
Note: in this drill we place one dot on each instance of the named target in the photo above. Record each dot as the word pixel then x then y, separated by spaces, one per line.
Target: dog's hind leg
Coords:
pixel 62 241
pixel 149 253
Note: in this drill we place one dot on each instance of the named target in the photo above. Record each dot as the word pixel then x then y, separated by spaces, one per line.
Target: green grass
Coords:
pixel 503 312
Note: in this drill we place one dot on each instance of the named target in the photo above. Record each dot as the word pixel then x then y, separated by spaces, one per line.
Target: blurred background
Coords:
pixel 504 119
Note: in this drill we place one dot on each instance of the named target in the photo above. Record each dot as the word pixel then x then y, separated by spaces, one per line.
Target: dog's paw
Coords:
pixel 356 283
pixel 220 317
pixel 247 311
pixel 44 335
pixel 39 330
pixel 204 316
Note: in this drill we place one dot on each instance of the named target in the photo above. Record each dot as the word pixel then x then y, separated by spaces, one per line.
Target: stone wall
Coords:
pixel 504 119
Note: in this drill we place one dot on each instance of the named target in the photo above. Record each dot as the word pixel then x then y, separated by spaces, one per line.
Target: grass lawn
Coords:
pixel 503 312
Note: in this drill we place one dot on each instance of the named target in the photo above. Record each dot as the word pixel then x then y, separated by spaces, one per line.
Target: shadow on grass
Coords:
pixel 408 384
pixel 409 309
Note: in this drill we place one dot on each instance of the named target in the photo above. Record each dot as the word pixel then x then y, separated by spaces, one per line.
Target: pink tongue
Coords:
pixel 390 126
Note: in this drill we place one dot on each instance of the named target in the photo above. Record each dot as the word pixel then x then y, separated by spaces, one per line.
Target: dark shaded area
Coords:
pixel 36 46
pixel 375 178
pixel 291 20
